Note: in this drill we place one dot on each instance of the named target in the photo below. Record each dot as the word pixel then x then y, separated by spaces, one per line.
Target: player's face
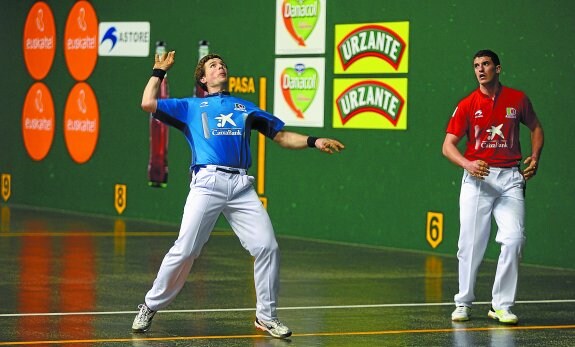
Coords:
pixel 486 71
pixel 216 74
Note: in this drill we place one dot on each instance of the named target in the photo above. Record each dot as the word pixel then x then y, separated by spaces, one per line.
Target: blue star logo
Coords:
pixel 110 35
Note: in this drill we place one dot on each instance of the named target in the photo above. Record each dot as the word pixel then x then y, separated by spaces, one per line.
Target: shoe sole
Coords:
pixel 459 319
pixel 140 330
pixel 264 328
pixel 494 316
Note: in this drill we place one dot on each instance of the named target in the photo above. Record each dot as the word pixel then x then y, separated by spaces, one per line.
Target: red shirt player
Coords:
pixel 493 184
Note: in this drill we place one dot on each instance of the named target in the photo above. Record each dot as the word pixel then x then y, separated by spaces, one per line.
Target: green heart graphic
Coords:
pixel 300 17
pixel 299 88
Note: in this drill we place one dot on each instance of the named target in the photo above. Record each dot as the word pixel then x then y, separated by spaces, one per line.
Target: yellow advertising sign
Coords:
pixel 374 103
pixel 434 232
pixel 370 48
pixel 120 197
pixel 241 84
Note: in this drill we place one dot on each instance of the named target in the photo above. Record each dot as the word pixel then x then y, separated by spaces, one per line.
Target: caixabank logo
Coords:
pixel 370 103
pixel 371 48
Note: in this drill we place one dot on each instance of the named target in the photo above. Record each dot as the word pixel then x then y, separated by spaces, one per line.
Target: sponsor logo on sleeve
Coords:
pixel 510 112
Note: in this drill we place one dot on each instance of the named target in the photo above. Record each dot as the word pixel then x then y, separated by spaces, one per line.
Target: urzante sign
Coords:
pixel 371 48
pixel 374 103
pixel 299 91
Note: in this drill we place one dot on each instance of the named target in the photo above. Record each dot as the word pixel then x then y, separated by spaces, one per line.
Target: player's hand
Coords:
pixel 478 169
pixel 165 61
pixel 531 168
pixel 329 145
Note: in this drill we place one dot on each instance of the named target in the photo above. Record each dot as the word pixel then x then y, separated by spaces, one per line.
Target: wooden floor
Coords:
pixel 76 280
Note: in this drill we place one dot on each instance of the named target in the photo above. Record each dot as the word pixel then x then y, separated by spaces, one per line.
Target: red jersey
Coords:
pixel 492 126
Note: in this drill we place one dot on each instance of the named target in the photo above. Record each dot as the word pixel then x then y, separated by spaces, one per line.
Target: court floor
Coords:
pixel 76 280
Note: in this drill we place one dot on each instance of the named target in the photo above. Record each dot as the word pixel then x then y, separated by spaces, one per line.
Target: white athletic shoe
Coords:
pixel 143 320
pixel 461 314
pixel 274 327
pixel 503 316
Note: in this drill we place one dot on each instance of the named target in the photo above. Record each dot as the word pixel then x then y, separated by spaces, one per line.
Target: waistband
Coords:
pixel 504 168
pixel 226 169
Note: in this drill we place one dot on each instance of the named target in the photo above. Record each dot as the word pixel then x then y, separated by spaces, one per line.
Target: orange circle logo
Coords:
pixel 81 122
pixel 38 121
pixel 39 41
pixel 81 40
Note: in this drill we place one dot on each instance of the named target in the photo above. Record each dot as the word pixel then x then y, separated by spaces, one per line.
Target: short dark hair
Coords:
pixel 488 53
pixel 201 71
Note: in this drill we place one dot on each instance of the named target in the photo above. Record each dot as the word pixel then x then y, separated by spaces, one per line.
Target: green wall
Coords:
pixel 379 190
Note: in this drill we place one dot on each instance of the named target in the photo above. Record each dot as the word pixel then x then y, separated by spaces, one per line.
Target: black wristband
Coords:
pixel 159 73
pixel 311 141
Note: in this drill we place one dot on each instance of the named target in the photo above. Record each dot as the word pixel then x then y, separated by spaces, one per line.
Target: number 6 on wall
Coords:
pixel 434 232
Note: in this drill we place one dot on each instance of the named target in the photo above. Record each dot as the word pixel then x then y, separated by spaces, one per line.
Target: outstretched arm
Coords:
pixel 291 140
pixel 150 95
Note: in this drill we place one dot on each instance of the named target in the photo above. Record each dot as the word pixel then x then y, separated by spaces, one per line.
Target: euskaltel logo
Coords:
pixel 370 96
pixel 39 41
pixel 300 18
pixel 299 86
pixel 81 40
pixel 371 41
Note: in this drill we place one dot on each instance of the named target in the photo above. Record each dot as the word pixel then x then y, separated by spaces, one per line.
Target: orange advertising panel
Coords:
pixel 38 121
pixel 39 41
pixel 81 40
pixel 81 122
pixel 375 103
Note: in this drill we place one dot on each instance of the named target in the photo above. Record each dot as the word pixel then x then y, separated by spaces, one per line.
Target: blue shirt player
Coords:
pixel 218 128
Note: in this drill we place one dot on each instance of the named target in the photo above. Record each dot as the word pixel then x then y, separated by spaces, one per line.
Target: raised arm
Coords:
pixel 150 95
pixel 291 140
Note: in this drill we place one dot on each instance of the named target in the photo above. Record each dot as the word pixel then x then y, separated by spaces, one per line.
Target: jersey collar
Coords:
pixel 217 94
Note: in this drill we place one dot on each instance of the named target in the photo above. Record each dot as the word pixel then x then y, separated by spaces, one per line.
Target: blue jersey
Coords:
pixel 218 127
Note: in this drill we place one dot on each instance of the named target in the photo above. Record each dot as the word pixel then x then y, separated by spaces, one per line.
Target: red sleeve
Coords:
pixel 528 116
pixel 458 124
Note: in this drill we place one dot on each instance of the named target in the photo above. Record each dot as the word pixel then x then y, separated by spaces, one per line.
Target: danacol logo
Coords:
pixel 299 87
pixel 300 18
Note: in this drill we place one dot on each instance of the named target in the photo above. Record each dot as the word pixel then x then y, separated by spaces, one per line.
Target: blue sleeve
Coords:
pixel 173 112
pixel 266 123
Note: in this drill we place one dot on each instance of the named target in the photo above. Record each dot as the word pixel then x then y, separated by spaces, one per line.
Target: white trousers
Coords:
pixel 502 196
pixel 214 192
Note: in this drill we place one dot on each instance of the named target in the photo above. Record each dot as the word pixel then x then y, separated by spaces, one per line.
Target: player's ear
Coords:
pixel 498 69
